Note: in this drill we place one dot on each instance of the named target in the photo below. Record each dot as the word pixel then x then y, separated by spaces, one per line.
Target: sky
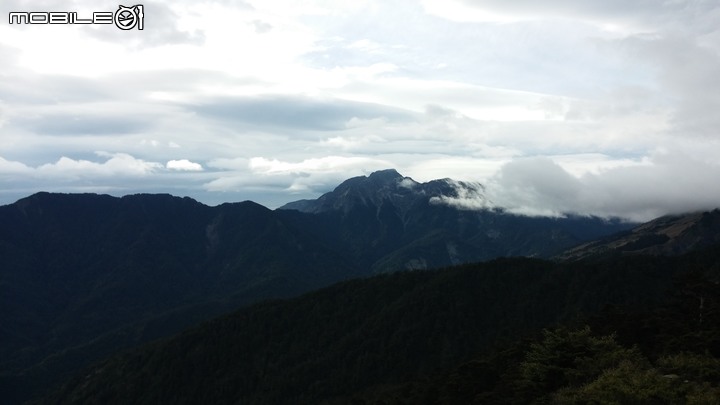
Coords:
pixel 591 107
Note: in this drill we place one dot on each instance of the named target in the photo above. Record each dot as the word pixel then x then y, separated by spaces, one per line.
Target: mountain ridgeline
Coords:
pixel 84 275
pixel 387 222
pixel 669 235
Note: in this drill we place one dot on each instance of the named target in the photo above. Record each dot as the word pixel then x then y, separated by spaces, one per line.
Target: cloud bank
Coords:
pixel 663 184
pixel 591 107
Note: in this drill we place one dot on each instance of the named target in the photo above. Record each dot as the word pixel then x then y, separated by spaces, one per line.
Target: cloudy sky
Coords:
pixel 606 107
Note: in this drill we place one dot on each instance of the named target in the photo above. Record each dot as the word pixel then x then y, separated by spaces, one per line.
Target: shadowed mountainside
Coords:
pixel 387 222
pixel 668 235
pixel 397 339
pixel 85 275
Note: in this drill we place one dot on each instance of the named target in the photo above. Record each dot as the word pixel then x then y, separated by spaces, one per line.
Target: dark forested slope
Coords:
pixel 667 353
pixel 84 275
pixel 361 335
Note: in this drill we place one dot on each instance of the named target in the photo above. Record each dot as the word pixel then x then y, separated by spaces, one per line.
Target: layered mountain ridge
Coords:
pixel 85 275
pixel 389 222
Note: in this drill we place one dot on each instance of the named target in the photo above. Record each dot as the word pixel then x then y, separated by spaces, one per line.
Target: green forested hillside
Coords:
pixel 398 338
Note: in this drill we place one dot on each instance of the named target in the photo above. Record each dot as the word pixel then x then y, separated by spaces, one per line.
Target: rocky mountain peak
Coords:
pixel 385 176
pixel 385 186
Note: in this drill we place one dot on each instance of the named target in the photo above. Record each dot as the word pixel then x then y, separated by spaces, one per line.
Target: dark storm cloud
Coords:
pixel 299 113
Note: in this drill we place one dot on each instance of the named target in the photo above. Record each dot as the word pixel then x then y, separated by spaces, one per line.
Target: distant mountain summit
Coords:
pixel 389 222
pixel 392 187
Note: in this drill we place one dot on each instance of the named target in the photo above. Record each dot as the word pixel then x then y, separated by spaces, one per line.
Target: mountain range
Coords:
pixel 387 222
pixel 85 275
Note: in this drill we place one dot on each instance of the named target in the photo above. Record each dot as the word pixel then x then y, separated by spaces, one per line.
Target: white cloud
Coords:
pixel 117 164
pixel 612 15
pixel 408 183
pixel 665 182
pixel 426 168
pixel 10 167
pixel 262 165
pixel 458 11
pixel 286 99
pixel 314 175
pixel 229 164
pixel 469 196
pixel 184 165
pixel 348 143
pixel 686 72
